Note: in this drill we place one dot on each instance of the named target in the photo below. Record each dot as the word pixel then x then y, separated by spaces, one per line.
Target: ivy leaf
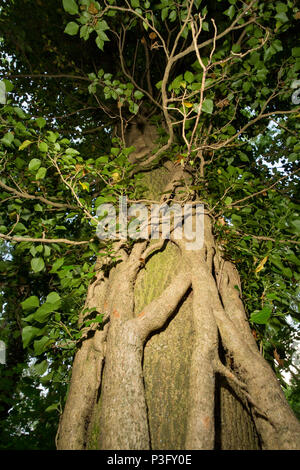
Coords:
pixel 189 77
pixel 37 264
pixel 208 106
pixel 41 173
pixel 41 122
pixel 53 298
pixel 296 52
pixel 282 17
pixel 133 108
pixel 34 164
pixel 102 35
pixel 43 147
pixel 43 312
pixel 25 144
pixel 138 94
pixel 52 407
pixel 261 316
pixel 164 13
pixel 28 333
pixel 70 6
pixel 230 12
pixel 40 345
pixel 100 43
pixel 57 264
pixel 41 367
pixel 72 28
pixel 8 138
pixel 31 302
pixel 296 224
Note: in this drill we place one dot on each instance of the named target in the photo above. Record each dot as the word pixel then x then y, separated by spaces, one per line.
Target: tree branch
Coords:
pixel 43 240
pixel 25 195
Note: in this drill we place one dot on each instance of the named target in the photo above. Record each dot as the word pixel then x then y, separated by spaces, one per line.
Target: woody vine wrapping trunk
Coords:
pixel 108 406
pixel 191 103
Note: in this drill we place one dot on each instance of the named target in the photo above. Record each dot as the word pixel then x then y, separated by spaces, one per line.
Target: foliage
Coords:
pixel 77 73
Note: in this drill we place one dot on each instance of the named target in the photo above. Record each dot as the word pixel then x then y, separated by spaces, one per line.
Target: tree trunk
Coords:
pixel 175 365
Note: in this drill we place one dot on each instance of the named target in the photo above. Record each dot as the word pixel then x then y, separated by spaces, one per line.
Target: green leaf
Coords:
pixel 9 86
pixel 52 407
pixel 43 312
pixel 8 138
pixel 28 333
pixel 57 264
pixel 53 298
pixel 138 94
pixel 20 163
pixel 100 43
pixel 71 151
pixel 208 106
pixel 230 12
pixel 177 82
pixel 40 345
pixel 282 17
pixel 41 173
pixel 31 302
pixel 25 144
pixel 135 3
pixel 261 316
pixel 296 224
pixel 41 367
pixel 173 15
pixel 41 122
pixel 43 147
pixel 164 13
pixel 296 52
pixel 228 201
pixel 281 7
pixel 34 164
pixel 189 77
pixel 38 208
pixel 236 219
pixel 133 108
pixel 243 157
pixel 102 35
pixel 103 26
pixel 70 6
pixel 247 86
pixel 37 264
pixel 72 28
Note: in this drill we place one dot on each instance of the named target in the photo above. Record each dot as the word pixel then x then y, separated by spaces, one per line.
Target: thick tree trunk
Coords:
pixel 176 365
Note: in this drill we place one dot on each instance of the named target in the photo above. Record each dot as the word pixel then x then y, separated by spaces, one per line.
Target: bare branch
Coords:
pixel 48 75
pixel 14 238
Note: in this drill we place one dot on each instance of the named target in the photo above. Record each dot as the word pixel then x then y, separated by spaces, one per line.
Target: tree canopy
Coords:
pixel 218 80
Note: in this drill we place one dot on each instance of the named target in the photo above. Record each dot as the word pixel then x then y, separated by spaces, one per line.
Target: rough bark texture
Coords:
pixel 176 365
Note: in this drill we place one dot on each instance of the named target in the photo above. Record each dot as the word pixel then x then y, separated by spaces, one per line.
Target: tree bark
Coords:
pixel 176 365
